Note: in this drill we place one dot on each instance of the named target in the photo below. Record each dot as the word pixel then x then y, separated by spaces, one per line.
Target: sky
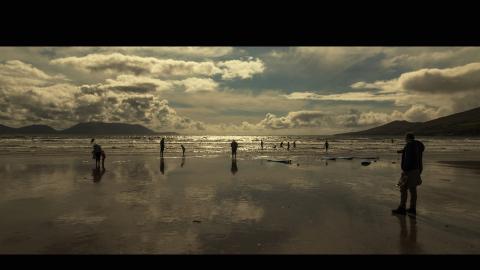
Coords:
pixel 237 90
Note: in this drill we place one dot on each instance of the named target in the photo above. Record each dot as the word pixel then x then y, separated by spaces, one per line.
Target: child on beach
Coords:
pixel 103 158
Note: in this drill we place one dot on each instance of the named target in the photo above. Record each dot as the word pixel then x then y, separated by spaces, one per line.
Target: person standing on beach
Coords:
pixel 288 146
pixel 294 144
pixel 281 144
pixel 103 159
pixel 183 150
pixel 96 153
pixel 261 144
pixel 326 146
pixel 234 146
pixel 412 168
pixel 162 146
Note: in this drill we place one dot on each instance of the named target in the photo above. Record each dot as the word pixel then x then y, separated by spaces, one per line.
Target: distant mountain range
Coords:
pixel 465 123
pixel 90 128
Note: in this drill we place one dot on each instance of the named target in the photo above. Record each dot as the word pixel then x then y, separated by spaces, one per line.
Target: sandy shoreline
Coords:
pixel 213 205
pixel 469 164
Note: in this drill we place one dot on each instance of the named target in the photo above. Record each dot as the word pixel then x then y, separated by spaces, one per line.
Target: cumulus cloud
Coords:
pixel 422 113
pixel 446 90
pixel 194 85
pixel 138 65
pixel 142 84
pixel 37 103
pixel 99 103
pixel 14 72
pixel 117 62
pixel 241 69
pixel 351 119
pixel 17 68
pixel 295 120
pixel 35 97
pixel 431 80
pixel 316 119
pixel 356 118
pixel 457 79
pixel 138 84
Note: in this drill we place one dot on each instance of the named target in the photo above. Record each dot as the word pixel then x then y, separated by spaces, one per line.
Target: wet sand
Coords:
pixel 469 164
pixel 141 204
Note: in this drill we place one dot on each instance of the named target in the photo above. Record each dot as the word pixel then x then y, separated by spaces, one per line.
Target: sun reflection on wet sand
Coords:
pixel 215 205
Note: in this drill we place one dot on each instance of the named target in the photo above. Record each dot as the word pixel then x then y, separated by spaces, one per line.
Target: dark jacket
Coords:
pixel 234 146
pixel 412 156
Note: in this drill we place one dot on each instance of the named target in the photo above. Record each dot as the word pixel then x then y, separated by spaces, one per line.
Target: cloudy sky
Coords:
pixel 236 90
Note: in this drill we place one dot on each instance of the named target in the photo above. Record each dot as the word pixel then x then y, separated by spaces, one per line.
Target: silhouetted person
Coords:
pixel 162 165
pixel 183 150
pixel 326 146
pixel 97 174
pixel 96 153
pixel 162 146
pixel 281 144
pixel 294 144
pixel 261 144
pixel 104 156
pixel 274 146
pixel 234 168
pixel 412 168
pixel 234 146
pixel 288 145
pixel 183 162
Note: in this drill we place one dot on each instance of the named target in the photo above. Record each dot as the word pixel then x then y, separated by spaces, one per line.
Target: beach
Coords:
pixel 54 203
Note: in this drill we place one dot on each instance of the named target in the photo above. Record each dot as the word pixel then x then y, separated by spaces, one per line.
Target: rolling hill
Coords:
pixel 98 128
pixel 90 128
pixel 465 123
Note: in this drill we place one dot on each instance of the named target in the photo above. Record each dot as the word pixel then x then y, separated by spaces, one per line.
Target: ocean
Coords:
pixel 220 145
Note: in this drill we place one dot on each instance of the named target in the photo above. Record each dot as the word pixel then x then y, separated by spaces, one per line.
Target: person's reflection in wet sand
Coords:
pixel 234 168
pixel 408 240
pixel 97 174
pixel 162 165
pixel 183 161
